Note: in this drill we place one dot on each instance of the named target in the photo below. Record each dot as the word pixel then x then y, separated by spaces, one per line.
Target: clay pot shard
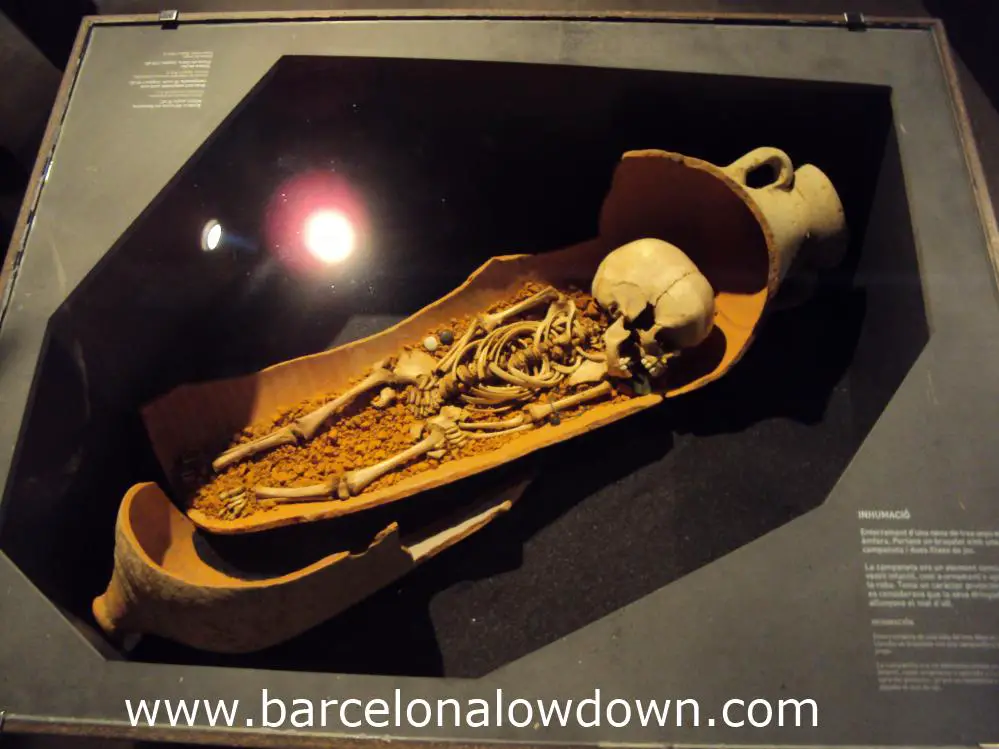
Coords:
pixel 161 585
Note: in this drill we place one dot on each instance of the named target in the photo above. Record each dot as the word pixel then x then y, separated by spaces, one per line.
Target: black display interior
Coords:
pixel 458 162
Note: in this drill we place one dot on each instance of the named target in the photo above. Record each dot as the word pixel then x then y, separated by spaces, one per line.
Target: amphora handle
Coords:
pixel 780 162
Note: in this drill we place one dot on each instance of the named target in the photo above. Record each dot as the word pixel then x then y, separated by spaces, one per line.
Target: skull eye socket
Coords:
pixel 646 318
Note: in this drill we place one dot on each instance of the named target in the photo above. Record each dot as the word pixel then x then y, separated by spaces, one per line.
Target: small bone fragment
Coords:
pixel 416 430
pixel 385 398
pixel 437 454
pixel 458 367
pixel 448 421
pixel 235 507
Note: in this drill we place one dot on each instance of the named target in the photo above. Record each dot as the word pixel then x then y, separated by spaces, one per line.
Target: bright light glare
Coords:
pixel 211 235
pixel 329 236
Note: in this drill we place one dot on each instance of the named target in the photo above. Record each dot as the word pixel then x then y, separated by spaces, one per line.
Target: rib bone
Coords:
pixel 500 433
pixel 489 322
pixel 458 349
pixel 536 382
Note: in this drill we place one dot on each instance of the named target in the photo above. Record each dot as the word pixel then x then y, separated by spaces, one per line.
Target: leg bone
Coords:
pixel 357 481
pixel 313 493
pixel 306 427
pixel 284 436
pixel 540 411
pixel 353 482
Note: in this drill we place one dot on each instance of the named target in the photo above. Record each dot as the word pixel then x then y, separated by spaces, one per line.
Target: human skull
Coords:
pixel 660 302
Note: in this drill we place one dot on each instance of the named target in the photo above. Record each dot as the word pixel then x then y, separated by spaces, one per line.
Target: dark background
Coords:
pixel 36 37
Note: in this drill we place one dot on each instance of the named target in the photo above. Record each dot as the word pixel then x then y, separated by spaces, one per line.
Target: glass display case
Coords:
pixel 222 195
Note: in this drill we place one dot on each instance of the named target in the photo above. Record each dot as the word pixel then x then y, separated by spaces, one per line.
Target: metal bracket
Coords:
pixel 169 18
pixel 855 21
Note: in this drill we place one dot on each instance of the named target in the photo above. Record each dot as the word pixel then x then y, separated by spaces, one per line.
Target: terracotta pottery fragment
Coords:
pixel 743 240
pixel 717 253
pixel 162 585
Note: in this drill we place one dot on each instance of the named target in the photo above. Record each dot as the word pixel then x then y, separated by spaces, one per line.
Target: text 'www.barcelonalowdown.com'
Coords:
pixel 397 712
